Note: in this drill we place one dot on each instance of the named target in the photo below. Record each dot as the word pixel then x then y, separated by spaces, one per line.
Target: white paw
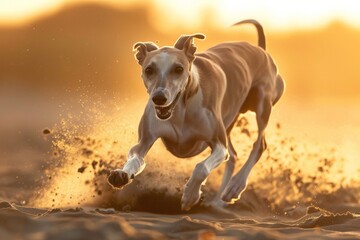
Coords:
pixel 233 190
pixel 190 197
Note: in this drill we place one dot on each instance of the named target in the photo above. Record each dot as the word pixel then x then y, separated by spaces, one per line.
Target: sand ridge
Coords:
pixel 98 223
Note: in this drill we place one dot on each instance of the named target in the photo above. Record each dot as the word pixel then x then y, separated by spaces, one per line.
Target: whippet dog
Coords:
pixel 195 100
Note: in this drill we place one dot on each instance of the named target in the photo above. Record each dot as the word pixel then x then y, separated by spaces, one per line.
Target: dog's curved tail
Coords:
pixel 260 31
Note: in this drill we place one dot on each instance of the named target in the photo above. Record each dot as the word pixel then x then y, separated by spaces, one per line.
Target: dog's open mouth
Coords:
pixel 165 113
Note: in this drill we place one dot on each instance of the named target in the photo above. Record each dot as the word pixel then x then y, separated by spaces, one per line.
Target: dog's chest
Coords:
pixel 184 145
pixel 189 137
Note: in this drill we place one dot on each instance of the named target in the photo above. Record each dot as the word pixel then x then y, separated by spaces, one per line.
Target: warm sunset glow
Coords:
pixel 73 104
pixel 282 14
pixel 277 14
pixel 21 10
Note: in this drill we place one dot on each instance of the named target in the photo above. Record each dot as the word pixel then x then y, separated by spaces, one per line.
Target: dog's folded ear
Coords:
pixel 186 43
pixel 142 48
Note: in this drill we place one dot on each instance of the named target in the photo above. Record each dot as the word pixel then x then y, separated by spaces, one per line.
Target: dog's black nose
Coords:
pixel 159 99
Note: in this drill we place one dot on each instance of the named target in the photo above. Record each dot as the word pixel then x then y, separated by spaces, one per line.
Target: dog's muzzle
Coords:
pixel 165 112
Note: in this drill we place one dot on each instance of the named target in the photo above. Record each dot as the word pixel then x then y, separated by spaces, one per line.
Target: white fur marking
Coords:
pixel 164 62
pixel 134 166
pixel 216 158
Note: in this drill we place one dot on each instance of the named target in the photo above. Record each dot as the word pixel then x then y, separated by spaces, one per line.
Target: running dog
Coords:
pixel 195 100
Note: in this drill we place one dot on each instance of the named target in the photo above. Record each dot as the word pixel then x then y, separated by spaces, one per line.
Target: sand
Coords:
pixel 18 222
pixel 53 186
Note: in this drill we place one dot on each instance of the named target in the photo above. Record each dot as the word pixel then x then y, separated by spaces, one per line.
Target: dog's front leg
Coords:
pixel 192 190
pixel 135 164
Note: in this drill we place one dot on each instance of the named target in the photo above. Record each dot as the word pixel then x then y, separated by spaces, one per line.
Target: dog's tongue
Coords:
pixel 163 113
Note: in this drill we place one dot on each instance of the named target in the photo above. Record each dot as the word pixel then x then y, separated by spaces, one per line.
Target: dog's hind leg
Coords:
pixel 280 88
pixel 238 182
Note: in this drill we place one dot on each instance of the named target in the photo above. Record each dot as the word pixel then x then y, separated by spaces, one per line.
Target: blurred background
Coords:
pixel 61 46
pixel 60 57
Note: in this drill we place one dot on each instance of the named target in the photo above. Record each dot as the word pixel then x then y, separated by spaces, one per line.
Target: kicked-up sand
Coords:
pixel 304 187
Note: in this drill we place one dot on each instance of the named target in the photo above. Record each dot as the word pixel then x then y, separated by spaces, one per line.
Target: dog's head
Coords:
pixel 166 71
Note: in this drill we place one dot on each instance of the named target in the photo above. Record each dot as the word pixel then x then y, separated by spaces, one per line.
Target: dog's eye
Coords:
pixel 179 70
pixel 149 71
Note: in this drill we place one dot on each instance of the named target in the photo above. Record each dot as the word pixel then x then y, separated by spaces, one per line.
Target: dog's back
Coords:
pixel 245 66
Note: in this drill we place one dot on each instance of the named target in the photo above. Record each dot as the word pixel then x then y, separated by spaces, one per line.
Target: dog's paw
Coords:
pixel 187 202
pixel 118 179
pixel 189 198
pixel 233 190
pixel 216 203
pixel 219 207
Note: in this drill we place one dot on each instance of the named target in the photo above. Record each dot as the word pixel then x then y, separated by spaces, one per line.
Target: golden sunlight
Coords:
pixel 278 15
pixel 19 11
pixel 73 102
pixel 283 15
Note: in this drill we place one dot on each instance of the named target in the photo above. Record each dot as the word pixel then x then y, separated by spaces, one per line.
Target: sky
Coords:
pixel 279 15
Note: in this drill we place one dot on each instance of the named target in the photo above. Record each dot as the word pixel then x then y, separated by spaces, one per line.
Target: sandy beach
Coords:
pixel 97 223
pixel 71 98
pixel 299 190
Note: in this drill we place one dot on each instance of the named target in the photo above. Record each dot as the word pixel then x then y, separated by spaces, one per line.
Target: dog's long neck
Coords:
pixel 193 83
